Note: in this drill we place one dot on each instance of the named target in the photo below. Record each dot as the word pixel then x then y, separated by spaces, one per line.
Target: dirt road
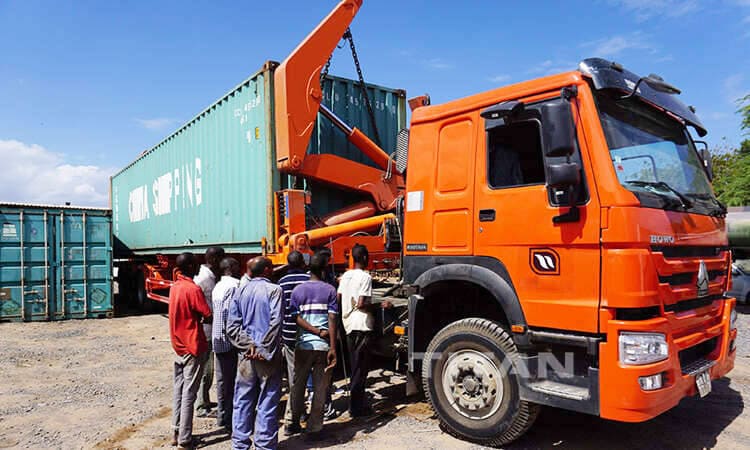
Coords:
pixel 107 384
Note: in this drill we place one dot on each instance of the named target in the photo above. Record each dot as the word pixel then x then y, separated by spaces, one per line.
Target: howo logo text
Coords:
pixel 659 239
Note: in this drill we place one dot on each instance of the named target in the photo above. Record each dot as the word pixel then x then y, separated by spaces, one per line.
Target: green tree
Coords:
pixel 744 111
pixel 732 167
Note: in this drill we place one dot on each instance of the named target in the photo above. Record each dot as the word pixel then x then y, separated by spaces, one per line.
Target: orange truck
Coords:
pixel 560 241
pixel 554 242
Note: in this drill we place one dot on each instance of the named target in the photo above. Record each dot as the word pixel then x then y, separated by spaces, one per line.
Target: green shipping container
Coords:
pixel 55 262
pixel 211 182
pixel 738 228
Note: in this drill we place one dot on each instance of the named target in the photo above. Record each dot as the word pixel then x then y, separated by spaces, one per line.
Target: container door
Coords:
pixel 98 265
pixel 84 271
pixel 25 265
pixel 71 274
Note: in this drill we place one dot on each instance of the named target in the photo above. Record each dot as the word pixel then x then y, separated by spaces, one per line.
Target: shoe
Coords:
pixel 203 413
pixel 191 445
pixel 330 412
pixel 292 429
pixel 173 442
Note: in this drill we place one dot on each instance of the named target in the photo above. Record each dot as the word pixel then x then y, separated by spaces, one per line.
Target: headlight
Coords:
pixel 733 318
pixel 642 348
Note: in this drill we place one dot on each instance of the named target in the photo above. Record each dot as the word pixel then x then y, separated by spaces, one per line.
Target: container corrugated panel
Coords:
pixel 208 183
pixel 212 181
pixel 55 262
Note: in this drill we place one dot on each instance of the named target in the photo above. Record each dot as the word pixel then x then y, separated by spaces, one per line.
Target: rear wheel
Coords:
pixel 469 379
pixel 144 303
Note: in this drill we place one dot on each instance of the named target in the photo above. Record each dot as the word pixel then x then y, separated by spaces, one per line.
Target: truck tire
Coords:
pixel 144 303
pixel 467 377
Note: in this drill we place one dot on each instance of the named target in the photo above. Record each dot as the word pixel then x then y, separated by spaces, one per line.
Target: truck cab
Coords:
pixel 565 248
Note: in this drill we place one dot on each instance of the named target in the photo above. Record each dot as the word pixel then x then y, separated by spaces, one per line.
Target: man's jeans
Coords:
pixel 359 343
pixel 188 370
pixel 226 371
pixel 304 362
pixel 257 392
pixel 204 399
pixel 289 360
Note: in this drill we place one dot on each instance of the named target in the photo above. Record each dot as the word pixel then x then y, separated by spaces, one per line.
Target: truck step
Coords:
pixel 560 390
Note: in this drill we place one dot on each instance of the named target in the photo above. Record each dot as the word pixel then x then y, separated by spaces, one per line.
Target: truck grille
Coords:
pixel 697 355
pixel 689 277
pixel 677 269
pixel 687 305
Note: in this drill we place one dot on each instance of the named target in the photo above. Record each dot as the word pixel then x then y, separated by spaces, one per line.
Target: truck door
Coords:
pixel 554 265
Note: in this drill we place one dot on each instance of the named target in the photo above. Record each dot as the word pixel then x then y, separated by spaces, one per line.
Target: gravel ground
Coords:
pixel 107 384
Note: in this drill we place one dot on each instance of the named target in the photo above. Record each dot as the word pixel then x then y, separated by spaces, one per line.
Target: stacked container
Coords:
pixel 55 262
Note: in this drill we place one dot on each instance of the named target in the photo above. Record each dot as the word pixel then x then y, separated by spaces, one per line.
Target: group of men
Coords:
pixel 250 326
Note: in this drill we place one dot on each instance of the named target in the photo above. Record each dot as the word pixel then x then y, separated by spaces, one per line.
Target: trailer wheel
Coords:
pixel 144 303
pixel 467 376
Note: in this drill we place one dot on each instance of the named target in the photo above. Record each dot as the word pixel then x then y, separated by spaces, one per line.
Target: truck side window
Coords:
pixel 515 155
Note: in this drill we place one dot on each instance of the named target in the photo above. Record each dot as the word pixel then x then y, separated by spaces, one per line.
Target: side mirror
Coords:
pixel 708 163
pixel 558 132
pixel 563 175
pixel 566 176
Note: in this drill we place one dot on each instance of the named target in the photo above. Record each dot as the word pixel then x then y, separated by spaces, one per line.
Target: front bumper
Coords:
pixel 621 397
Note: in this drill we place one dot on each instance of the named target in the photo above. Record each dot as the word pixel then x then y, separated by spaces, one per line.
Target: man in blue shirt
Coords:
pixel 314 305
pixel 254 328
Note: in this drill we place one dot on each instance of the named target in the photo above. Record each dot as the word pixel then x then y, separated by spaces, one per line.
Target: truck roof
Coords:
pixel 494 96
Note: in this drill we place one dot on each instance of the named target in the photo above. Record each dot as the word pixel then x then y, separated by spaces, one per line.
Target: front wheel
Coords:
pixel 468 375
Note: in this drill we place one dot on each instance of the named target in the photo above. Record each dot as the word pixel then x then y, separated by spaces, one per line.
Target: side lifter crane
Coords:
pixel 298 100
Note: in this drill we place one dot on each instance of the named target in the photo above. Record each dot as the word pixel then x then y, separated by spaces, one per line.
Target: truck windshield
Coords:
pixel 654 157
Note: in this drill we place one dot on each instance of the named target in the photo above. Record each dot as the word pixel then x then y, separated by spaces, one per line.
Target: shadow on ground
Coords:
pixel 694 424
pixel 214 437
pixel 344 429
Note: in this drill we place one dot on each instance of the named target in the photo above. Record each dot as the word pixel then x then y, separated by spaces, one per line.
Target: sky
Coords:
pixel 86 86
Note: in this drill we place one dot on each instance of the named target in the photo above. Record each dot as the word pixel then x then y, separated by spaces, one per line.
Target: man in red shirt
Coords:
pixel 188 311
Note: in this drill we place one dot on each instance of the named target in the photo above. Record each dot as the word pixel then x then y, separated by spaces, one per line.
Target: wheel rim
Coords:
pixel 472 383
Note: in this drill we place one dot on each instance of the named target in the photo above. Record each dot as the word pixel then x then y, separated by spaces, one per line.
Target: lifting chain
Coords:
pixel 348 36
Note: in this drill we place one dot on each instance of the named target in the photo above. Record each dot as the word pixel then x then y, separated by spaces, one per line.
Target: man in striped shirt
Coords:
pixel 315 307
pixel 295 276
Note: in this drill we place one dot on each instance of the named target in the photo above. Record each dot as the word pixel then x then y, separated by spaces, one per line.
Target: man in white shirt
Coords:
pixel 354 294
pixel 226 354
pixel 206 279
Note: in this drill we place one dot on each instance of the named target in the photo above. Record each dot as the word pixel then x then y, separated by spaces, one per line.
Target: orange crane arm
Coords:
pixel 297 102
